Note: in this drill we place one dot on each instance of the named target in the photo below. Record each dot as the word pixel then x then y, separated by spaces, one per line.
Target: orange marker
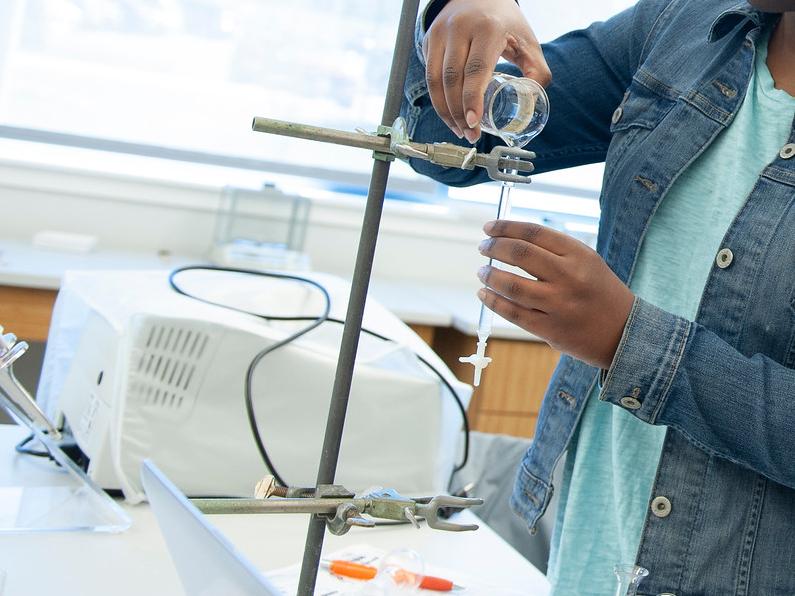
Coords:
pixel 359 571
pixel 349 569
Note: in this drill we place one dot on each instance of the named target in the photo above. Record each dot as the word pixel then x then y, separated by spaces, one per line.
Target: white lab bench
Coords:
pixel 136 562
pixel 444 315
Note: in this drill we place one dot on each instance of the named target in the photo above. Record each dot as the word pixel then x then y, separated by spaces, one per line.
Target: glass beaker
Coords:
pixel 515 109
pixel 629 577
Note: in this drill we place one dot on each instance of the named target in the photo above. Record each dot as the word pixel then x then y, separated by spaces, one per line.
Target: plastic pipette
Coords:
pixel 479 359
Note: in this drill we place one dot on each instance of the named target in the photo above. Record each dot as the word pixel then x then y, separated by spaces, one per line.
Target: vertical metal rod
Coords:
pixel 335 423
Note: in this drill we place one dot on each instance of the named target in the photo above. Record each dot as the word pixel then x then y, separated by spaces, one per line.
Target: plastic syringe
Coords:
pixel 479 359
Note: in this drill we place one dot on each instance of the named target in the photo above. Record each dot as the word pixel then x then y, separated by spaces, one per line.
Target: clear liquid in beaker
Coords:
pixel 515 109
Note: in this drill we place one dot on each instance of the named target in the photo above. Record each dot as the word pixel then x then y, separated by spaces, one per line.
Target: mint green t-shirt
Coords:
pixel 612 462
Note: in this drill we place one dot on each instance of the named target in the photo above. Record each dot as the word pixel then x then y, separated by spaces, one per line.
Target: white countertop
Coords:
pixel 414 302
pixel 137 562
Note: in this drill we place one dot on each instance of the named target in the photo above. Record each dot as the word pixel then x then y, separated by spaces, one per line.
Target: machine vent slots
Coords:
pixel 166 358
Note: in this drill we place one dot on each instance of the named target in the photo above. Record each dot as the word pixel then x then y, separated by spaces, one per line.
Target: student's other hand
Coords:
pixel 576 303
pixel 461 49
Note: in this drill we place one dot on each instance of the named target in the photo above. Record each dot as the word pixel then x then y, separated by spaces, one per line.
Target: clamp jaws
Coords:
pixel 433 512
pixel 502 164
pixel 389 504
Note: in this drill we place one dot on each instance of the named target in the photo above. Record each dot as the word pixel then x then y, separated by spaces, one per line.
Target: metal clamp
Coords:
pixel 502 163
pixel 346 516
pixel 385 131
pixel 341 509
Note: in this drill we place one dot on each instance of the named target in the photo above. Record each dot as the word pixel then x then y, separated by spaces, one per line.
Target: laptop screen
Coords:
pixel 207 563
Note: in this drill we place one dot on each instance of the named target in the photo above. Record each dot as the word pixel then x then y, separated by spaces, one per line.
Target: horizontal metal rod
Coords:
pixel 221 506
pixel 318 133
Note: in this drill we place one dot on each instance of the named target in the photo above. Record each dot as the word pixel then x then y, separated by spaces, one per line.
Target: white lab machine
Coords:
pixel 139 371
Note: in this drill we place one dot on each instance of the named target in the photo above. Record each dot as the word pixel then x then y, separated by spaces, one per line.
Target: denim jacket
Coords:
pixel 647 91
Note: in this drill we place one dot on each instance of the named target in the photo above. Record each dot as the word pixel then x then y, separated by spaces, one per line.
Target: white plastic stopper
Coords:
pixel 479 360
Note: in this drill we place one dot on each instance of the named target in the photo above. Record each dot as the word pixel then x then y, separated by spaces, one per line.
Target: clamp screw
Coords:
pixel 267 487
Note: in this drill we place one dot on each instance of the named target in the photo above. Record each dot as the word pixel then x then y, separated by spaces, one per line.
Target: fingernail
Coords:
pixel 488 226
pixel 457 132
pixel 483 273
pixel 482 294
pixel 484 245
pixel 471 135
pixel 472 119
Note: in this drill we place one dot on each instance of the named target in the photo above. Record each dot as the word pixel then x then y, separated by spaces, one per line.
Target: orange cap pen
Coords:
pixel 359 571
pixel 349 569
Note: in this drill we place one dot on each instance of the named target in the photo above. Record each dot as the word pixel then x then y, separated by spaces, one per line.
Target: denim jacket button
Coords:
pixel 617 115
pixel 787 151
pixel 629 402
pixel 661 507
pixel 724 258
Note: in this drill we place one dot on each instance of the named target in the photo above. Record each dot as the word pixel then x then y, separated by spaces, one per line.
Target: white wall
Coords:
pixel 10 13
pixel 138 214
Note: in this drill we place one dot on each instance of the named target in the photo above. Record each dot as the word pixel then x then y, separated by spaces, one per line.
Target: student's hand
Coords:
pixel 576 304
pixel 462 47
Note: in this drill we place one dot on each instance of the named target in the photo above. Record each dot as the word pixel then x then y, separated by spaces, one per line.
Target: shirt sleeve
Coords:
pixel 673 372
pixel 591 69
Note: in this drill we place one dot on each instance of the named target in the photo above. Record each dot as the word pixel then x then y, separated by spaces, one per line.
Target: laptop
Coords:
pixel 207 563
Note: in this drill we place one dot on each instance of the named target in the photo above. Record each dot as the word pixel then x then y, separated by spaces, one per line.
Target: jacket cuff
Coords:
pixel 431 11
pixel 415 87
pixel 646 361
pixel 433 7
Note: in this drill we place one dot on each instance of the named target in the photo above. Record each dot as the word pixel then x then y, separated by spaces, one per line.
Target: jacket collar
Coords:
pixel 740 13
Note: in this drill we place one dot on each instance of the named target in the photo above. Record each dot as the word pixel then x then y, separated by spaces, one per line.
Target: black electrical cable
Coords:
pixel 444 381
pixel 315 322
pixel 22 448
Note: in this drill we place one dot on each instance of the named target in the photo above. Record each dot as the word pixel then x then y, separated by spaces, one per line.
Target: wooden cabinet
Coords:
pixel 26 312
pixel 512 387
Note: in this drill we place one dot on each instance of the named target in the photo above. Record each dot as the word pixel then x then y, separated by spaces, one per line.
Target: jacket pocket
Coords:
pixel 640 112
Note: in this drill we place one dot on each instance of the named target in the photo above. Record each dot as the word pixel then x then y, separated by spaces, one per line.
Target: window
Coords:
pixel 190 74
